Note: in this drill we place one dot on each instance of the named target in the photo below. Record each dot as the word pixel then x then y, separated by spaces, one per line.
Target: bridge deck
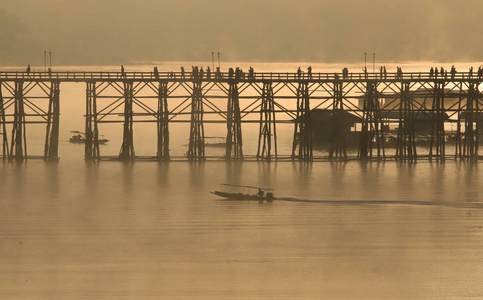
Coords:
pixel 224 76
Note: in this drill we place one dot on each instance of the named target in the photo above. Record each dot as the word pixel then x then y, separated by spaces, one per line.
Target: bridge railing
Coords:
pixel 272 76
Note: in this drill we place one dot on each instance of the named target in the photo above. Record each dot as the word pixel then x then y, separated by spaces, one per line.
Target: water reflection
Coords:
pixel 153 230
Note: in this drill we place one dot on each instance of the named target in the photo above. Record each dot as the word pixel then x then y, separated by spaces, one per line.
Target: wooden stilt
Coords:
pixel 338 147
pixel 18 150
pixel 372 131
pixel 196 149
pixel 163 122
pixel 234 142
pixel 51 149
pixel 303 132
pixel 127 149
pixel 438 117
pixel 92 133
pixel 267 130
pixel 3 126
pixel 406 140
pixel 470 135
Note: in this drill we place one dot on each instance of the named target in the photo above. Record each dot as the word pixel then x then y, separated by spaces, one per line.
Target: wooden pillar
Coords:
pixel 163 122
pixel 406 142
pixel 372 125
pixel 127 148
pixel 470 136
pixel 234 142
pixel 196 150
pixel 18 150
pixel 92 133
pixel 303 132
pixel 267 130
pixel 459 134
pixel 338 148
pixel 437 123
pixel 51 149
pixel 3 126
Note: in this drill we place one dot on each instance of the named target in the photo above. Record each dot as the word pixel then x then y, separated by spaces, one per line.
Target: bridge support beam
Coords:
pixel 303 132
pixel 196 150
pixel 406 142
pixel 51 149
pixel 127 148
pixel 18 150
pixel 372 125
pixel 3 126
pixel 92 133
pixel 338 149
pixel 234 142
pixel 438 114
pixel 468 141
pixel 163 122
pixel 267 130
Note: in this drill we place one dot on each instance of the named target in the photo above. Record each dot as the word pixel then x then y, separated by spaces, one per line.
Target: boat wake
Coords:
pixel 476 205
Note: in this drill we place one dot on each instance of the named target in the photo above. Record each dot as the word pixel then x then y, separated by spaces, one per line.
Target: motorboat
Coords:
pixel 244 192
pixel 80 138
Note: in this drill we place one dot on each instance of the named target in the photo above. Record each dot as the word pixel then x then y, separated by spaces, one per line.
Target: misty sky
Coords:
pixel 124 31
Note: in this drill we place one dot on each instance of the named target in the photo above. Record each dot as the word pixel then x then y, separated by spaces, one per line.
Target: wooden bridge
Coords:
pixel 380 101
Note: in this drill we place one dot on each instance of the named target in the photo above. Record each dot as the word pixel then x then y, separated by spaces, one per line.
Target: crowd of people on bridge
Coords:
pixel 199 73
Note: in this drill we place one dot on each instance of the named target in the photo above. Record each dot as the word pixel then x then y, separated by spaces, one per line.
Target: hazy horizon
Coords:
pixel 125 32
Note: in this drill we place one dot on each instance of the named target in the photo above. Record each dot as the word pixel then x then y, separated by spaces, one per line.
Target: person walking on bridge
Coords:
pixel 122 72
pixel 156 73
pixel 309 72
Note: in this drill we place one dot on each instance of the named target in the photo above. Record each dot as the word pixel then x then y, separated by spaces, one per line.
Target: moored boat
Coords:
pixel 80 138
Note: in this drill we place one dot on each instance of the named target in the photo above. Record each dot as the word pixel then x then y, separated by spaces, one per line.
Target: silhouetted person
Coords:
pixel 218 72
pixel 208 72
pixel 250 73
pixel 309 72
pixel 431 72
pixel 441 72
pixel 156 73
pixel 381 72
pixel 436 72
pixel 471 72
pixel 122 71
pixel 230 73
pixel 299 73
pixel 28 69
pixel 201 72
pixel 50 72
pixel 182 72
pixel 193 74
pixel 237 73
pixel 385 73
pixel 453 72
pixel 345 73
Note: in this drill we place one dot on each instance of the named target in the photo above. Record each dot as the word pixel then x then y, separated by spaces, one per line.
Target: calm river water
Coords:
pixel 147 230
